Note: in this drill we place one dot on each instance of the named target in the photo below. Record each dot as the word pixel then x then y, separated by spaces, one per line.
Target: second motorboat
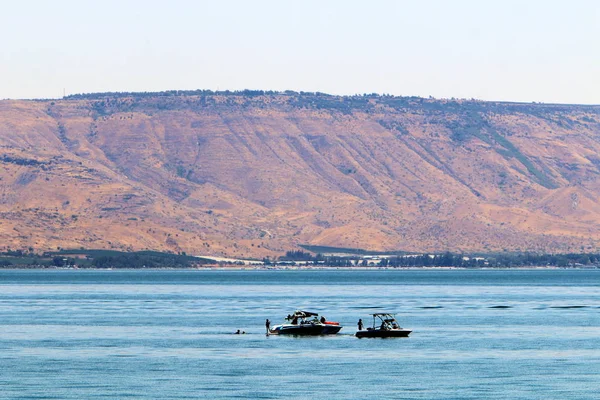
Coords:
pixel 384 326
pixel 305 323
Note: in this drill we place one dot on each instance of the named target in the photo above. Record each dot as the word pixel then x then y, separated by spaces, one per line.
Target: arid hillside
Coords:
pixel 255 174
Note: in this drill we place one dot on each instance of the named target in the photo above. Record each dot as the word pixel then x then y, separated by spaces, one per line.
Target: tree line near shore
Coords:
pixel 98 259
pixel 154 259
pixel 448 259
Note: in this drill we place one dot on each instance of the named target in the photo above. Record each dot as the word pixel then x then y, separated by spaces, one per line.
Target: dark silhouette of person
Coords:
pixel 360 325
pixel 268 324
pixel 323 319
pixel 237 332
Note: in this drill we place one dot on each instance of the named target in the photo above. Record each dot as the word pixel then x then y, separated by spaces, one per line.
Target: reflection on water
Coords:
pixel 169 334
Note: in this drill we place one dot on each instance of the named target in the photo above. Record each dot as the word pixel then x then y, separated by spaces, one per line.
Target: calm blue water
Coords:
pixel 168 334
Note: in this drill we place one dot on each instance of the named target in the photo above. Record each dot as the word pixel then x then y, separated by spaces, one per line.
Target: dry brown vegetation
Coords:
pixel 255 174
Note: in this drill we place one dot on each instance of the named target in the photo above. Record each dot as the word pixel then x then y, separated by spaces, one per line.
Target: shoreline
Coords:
pixel 289 268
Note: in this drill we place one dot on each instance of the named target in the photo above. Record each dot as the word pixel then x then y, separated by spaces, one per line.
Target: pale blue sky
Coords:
pixel 525 50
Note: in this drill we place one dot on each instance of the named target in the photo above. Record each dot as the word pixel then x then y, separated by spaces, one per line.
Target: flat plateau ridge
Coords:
pixel 256 173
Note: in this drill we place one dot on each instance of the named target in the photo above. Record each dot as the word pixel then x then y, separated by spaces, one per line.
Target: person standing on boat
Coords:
pixel 360 324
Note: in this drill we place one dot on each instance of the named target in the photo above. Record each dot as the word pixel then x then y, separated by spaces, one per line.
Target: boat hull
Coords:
pixel 305 329
pixel 381 333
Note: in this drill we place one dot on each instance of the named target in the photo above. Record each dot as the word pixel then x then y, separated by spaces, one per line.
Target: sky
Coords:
pixel 511 50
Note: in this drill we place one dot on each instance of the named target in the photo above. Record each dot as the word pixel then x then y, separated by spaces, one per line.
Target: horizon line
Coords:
pixel 262 92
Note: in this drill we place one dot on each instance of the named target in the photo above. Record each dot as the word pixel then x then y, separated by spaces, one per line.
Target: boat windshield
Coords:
pixel 302 317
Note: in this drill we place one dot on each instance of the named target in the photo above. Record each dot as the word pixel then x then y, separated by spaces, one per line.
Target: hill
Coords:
pixel 257 173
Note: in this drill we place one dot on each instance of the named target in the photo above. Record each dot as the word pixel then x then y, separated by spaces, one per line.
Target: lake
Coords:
pixel 168 334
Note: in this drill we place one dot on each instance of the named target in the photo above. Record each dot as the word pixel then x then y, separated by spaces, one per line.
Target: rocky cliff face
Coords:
pixel 255 174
